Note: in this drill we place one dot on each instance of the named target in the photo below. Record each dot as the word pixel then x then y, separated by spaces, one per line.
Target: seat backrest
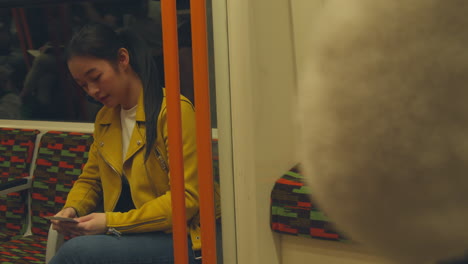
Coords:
pixel 60 160
pixel 293 212
pixel 16 153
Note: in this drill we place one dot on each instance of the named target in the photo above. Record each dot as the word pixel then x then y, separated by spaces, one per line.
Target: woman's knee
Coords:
pixel 76 248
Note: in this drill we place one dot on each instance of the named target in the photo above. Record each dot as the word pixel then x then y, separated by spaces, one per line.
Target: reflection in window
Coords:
pixel 33 79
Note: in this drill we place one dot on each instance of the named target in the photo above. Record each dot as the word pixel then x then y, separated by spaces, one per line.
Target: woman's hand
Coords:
pixel 66 228
pixel 92 224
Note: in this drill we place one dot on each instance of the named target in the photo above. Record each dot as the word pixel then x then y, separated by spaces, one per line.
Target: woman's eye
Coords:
pixel 97 77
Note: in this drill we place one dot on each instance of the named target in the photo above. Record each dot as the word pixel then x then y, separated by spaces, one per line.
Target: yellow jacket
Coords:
pixel 149 182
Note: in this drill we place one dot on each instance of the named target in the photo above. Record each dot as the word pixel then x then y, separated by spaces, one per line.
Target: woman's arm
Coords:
pixel 87 190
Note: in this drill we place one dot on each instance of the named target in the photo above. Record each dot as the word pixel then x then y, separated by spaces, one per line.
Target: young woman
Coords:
pixel 127 169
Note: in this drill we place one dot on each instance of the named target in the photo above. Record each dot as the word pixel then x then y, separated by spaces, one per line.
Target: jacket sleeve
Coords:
pixel 156 214
pixel 87 190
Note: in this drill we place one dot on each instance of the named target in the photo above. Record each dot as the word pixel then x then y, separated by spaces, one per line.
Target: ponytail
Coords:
pixel 144 65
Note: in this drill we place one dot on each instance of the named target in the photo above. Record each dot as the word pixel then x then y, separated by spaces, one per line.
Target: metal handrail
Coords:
pixel 174 123
pixel 203 118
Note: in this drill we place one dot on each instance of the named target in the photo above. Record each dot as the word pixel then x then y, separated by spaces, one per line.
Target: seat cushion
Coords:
pixel 31 250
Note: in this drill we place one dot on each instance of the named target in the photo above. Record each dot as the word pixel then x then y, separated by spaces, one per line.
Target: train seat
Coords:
pixel 294 213
pixel 16 154
pixel 60 159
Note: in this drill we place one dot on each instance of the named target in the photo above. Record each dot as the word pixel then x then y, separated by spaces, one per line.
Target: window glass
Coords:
pixel 34 83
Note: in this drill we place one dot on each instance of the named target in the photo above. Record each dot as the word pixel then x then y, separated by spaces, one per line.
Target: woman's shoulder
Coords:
pixel 103 113
pixel 106 116
pixel 184 101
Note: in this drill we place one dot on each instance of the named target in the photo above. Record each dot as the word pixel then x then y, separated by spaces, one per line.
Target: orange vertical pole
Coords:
pixel 27 33
pixel 202 97
pixel 174 123
pixel 19 30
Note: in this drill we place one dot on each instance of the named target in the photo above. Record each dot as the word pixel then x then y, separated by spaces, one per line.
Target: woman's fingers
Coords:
pixel 64 227
pixel 61 226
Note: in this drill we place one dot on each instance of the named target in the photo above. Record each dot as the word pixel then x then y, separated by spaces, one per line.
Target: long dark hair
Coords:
pixel 102 42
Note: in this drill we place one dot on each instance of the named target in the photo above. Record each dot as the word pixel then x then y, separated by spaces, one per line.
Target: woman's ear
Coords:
pixel 124 58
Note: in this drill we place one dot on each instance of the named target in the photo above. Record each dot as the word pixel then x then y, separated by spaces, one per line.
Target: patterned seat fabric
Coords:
pixel 61 158
pixel 293 212
pixel 16 152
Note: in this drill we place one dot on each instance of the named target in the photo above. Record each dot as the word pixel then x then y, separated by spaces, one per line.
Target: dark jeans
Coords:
pixel 144 248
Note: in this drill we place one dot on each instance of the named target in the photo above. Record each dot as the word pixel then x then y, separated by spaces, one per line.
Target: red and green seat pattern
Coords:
pixel 294 213
pixel 16 153
pixel 60 160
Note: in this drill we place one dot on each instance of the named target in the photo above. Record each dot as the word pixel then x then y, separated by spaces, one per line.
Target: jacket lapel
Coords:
pixel 110 143
pixel 137 140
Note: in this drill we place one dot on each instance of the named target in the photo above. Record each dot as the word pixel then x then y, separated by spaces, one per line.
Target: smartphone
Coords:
pixel 65 219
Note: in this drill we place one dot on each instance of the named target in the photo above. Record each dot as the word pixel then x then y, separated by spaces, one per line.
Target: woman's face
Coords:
pixel 104 82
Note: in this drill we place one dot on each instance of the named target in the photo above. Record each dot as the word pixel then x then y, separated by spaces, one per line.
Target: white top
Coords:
pixel 127 119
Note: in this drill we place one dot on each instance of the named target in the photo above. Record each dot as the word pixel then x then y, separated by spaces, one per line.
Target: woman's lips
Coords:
pixel 103 99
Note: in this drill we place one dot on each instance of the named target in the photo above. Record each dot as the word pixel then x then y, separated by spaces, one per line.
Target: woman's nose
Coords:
pixel 92 90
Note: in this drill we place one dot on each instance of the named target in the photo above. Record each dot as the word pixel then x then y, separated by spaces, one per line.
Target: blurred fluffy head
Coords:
pixel 384 115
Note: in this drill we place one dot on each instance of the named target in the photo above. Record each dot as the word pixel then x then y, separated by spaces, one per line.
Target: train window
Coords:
pixel 33 33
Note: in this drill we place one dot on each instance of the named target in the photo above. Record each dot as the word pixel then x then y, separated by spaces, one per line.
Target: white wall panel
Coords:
pixel 262 80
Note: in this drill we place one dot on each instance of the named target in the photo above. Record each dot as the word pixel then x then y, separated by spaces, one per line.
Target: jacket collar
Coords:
pixel 140 113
